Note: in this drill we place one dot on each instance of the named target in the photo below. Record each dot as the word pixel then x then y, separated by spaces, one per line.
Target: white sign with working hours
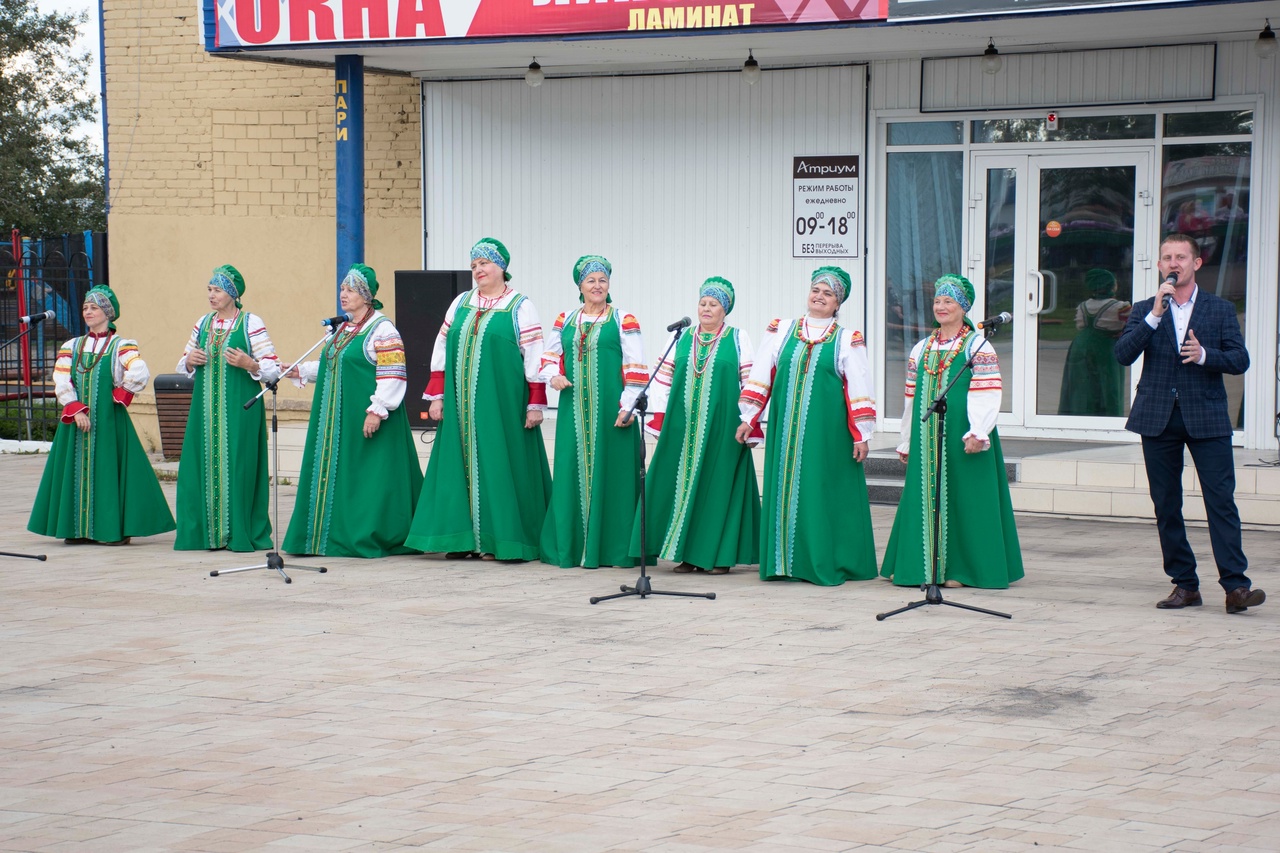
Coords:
pixel 825 194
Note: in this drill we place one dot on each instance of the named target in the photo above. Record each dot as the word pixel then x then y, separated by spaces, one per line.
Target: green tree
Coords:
pixel 50 175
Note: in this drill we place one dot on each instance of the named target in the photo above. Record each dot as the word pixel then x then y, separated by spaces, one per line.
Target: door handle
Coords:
pixel 1053 293
pixel 1036 296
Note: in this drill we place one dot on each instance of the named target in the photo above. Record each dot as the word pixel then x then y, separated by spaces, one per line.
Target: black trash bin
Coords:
pixel 173 403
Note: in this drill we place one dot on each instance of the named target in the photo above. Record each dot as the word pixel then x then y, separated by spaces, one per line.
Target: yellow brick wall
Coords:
pixel 216 160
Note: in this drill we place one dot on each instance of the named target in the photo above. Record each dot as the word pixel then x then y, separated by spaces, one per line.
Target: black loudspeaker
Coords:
pixel 422 298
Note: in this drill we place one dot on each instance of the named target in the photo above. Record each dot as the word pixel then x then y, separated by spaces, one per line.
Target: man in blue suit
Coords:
pixel 1188 338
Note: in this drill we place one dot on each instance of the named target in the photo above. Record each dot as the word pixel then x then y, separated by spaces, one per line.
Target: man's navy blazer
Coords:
pixel 1198 388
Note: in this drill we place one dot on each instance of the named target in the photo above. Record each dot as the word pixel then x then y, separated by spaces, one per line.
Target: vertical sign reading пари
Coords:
pixel 824 207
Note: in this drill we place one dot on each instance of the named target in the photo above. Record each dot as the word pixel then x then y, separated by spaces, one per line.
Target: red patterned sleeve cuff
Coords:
pixel 71 410
pixel 122 397
pixel 435 386
pixel 654 427
pixel 537 393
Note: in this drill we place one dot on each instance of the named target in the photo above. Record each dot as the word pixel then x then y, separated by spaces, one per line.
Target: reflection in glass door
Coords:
pixel 1083 287
pixel 1059 240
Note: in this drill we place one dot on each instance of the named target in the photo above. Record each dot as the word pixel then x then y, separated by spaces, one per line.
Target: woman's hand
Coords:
pixel 532 418
pixel 197 357
pixel 371 424
pixel 624 419
pixel 903 457
pixel 241 359
pixel 560 383
pixel 292 372
pixel 861 450
pixel 436 410
pixel 973 444
pixel 743 433
pixel 82 421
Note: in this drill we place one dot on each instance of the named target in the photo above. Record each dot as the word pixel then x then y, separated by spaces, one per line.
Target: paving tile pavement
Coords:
pixel 417 703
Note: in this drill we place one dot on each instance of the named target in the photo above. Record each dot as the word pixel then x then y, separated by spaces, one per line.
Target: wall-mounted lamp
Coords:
pixel 991 61
pixel 1265 46
pixel 534 75
pixel 751 70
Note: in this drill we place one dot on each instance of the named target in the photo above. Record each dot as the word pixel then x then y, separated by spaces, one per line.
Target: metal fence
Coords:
pixel 39 275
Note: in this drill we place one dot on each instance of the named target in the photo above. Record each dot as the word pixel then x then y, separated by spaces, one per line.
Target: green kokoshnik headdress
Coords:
pixel 957 287
pixel 586 265
pixel 105 298
pixel 493 250
pixel 364 281
pixel 721 289
pixel 835 278
pixel 229 279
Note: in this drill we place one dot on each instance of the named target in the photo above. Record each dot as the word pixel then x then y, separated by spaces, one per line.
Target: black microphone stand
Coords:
pixel 40 557
pixel 274 560
pixel 638 409
pixel 31 327
pixel 933 588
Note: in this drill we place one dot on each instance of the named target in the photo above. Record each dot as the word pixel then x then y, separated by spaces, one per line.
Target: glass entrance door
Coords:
pixel 1059 242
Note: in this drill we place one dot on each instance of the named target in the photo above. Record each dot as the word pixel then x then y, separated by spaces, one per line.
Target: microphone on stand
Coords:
pixel 330 322
pixel 1171 278
pixel 999 320
pixel 38 318
pixel 682 323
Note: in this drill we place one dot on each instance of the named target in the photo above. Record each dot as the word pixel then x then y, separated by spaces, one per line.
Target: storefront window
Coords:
pixel 925 133
pixel 924 218
pixel 1206 196
pixel 1070 129
pixel 1232 123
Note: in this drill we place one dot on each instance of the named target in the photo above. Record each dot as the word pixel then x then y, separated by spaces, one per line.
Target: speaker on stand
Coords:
pixel 422 298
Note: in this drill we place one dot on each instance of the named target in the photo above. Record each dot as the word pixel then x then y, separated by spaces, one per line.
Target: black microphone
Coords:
pixel 336 321
pixel 998 320
pixel 38 318
pixel 1171 278
pixel 682 323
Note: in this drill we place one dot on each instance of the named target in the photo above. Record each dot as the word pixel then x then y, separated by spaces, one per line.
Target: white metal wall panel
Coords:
pixel 1087 77
pixel 673 178
pixel 895 84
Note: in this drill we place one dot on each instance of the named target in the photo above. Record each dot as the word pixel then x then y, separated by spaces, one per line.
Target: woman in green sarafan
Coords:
pixel 979 540
pixel 1092 380
pixel 487 483
pixel 223 492
pixel 98 485
pixel 814 376
pixel 595 358
pixel 360 474
pixel 702 499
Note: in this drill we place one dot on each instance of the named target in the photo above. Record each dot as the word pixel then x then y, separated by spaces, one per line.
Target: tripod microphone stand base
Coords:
pixel 274 561
pixel 933 595
pixel 644 589
pixel 40 557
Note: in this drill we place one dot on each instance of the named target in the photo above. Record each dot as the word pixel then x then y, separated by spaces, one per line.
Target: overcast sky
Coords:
pixel 88 42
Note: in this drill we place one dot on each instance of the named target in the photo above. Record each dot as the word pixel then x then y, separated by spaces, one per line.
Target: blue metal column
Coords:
pixel 348 126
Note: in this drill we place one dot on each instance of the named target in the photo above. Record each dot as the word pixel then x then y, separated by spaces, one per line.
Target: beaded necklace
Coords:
pixel 485 304
pixel 802 333
pixel 345 336
pixel 936 362
pixel 95 357
pixel 218 338
pixel 705 349
pixel 585 329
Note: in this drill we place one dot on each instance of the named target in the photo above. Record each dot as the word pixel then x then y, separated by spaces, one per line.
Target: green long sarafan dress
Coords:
pixel 597 465
pixel 356 495
pixel 702 496
pixel 816 517
pixel 99 484
pixel 223 487
pixel 488 481
pixel 979 540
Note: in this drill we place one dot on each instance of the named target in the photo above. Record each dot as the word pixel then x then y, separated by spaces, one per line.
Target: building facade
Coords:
pixel 1036 148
